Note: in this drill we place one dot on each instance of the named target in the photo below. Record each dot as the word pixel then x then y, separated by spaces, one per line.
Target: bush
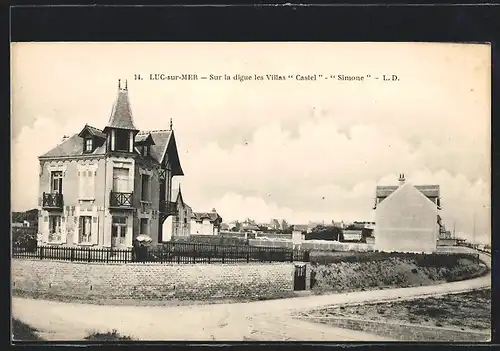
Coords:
pixel 23 332
pixel 24 237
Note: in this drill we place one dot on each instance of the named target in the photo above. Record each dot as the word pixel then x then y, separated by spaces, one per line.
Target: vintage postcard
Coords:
pixel 251 192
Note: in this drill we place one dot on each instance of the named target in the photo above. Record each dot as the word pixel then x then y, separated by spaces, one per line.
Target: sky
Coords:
pixel 294 149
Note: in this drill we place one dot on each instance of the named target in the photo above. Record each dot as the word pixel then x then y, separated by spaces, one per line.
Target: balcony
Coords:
pixel 121 200
pixel 168 208
pixel 52 201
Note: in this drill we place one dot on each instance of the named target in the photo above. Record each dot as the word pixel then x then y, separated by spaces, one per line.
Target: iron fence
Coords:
pixel 166 253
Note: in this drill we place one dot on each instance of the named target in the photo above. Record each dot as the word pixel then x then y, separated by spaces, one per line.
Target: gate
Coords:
pixel 299 281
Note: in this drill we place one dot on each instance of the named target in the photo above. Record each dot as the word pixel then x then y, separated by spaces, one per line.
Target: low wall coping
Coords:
pixel 163 264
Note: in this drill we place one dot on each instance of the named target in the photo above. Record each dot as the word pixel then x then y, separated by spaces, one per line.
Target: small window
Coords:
pixel 145 194
pixel 88 144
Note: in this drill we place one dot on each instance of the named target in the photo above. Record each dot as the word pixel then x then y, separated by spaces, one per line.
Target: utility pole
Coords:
pixel 454 229
pixel 474 230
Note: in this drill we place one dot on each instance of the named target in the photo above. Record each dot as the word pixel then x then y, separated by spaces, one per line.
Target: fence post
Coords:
pixel 72 254
pixel 194 256
pixel 223 255
pixel 107 255
pixel 41 252
pixel 88 256
pixel 291 256
pixel 248 256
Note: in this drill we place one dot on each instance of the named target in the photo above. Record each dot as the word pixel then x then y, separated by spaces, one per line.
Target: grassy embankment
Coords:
pixel 357 271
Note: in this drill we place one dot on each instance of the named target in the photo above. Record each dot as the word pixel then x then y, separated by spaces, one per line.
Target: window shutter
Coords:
pixel 64 230
pixel 95 230
pixel 45 229
pixel 107 236
pixel 86 184
pixel 78 230
pixel 150 197
pixel 88 188
pixel 80 184
pixel 141 188
pixel 92 184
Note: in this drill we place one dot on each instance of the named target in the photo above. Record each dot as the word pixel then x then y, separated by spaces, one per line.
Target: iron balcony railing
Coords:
pixel 118 199
pixel 52 200
pixel 168 208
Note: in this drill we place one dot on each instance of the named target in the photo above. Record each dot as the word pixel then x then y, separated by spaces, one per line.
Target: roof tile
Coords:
pixel 121 115
pixel 427 190
pixel 212 216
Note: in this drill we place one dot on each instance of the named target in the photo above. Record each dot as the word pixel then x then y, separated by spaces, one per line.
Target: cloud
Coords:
pixel 323 175
pixel 275 150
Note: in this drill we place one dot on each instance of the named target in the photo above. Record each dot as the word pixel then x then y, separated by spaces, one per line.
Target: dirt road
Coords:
pixel 260 320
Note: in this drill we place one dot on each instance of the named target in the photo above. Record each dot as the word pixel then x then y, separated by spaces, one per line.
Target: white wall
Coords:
pixel 406 221
pixel 204 228
pixel 296 237
pixel 167 228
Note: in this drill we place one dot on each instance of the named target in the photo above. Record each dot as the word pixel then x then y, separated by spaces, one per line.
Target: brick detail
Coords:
pixel 152 281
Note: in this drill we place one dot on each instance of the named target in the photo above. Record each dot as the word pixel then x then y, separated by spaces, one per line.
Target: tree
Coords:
pixel 237 227
pixel 284 225
pixel 322 232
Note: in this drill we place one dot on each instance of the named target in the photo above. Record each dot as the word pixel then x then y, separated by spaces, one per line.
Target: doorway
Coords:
pixel 299 281
pixel 119 232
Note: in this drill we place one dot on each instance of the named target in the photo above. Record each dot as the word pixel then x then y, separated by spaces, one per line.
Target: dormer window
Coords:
pixel 122 140
pixel 88 144
pixel 143 144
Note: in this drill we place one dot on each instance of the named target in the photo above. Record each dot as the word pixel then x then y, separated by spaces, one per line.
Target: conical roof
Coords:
pixel 121 115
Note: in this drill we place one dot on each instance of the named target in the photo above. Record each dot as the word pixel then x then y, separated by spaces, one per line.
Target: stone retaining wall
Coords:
pixel 152 281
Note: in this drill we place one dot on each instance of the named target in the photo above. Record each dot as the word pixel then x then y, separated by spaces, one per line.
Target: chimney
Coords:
pixel 213 210
pixel 401 179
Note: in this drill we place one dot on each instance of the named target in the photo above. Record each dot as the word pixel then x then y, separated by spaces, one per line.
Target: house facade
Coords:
pixel 103 188
pixel 206 223
pixel 298 232
pixel 178 225
pixel 406 218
